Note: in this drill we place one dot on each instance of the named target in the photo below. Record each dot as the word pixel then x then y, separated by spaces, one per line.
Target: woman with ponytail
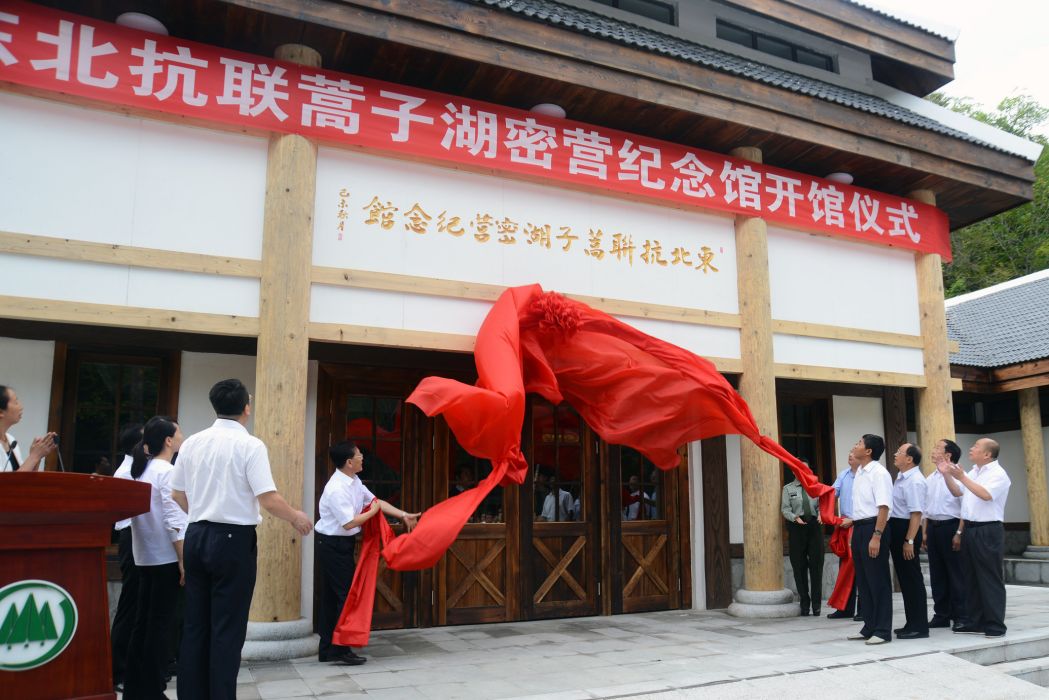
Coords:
pixel 157 544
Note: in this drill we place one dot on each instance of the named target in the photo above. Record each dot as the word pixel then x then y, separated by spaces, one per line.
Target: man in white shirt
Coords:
pixel 942 537
pixel 343 509
pixel 221 477
pixel 983 539
pixel 871 497
pixel 905 518
pixel 557 504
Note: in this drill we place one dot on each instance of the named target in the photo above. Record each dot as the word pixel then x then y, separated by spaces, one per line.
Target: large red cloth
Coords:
pixel 839 544
pixel 631 388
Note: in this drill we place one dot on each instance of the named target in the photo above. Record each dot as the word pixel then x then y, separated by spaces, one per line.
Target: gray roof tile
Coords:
pixel 586 22
pixel 1002 327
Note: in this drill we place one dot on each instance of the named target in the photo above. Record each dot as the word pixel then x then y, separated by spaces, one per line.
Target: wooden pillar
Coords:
pixel 934 404
pixel 281 369
pixel 762 531
pixel 1034 458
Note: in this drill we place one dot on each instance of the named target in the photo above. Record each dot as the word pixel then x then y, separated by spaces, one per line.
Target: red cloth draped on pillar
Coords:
pixel 631 388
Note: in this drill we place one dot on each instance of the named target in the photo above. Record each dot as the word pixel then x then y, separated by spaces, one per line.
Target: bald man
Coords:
pixel 986 488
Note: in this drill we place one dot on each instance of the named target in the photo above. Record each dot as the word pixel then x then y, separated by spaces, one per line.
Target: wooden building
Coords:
pixel 323 198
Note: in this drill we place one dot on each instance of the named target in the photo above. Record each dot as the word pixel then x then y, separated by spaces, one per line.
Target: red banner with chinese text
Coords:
pixel 59 52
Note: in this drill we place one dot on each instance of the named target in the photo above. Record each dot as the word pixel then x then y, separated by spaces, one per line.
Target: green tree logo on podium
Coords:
pixel 37 621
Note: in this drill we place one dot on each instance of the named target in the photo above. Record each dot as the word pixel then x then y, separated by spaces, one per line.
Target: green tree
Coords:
pixel 1013 243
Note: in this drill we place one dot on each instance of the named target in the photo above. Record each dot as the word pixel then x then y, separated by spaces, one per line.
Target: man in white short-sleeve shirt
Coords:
pixel 905 540
pixel 986 488
pixel 345 505
pixel 221 476
pixel 871 498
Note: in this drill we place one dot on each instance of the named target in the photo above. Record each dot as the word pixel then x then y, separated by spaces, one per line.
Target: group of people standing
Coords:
pixel 199 533
pixel 957 517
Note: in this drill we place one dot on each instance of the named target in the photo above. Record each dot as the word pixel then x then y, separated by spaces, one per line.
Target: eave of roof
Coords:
pixel 591 23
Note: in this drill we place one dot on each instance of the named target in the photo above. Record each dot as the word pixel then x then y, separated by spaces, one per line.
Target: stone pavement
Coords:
pixel 673 655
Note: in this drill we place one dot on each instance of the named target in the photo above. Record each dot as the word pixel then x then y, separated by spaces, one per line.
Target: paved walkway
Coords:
pixel 669 656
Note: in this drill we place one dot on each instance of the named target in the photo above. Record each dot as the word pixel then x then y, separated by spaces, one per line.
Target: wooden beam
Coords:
pixel 500 38
pixel 83 313
pixel 848 376
pixel 859 335
pixel 1034 461
pixel 132 256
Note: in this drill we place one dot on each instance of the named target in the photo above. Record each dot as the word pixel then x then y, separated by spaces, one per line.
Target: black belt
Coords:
pixel 864 521
pixel 936 523
pixel 226 527
pixel 981 523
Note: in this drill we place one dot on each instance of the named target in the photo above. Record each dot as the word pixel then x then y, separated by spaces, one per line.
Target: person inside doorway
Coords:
pixel 637 503
pixel 805 538
pixel 557 503
pixel 345 505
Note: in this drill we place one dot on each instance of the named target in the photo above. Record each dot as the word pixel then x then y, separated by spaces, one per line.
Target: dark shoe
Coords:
pixel 994 635
pixel 911 634
pixel 939 622
pixel 968 629
pixel 858 618
pixel 839 615
pixel 816 612
pixel 804 612
pixel 900 630
pixel 348 658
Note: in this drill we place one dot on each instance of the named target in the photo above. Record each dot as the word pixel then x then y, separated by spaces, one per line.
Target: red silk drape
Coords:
pixel 839 544
pixel 631 388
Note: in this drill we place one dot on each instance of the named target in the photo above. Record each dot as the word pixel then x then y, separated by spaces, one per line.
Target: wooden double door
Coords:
pixel 595 529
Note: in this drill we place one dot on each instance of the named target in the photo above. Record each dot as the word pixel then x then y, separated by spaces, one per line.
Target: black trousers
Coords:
pixel 873 580
pixel 124 620
pixel 945 572
pixel 805 544
pixel 220 563
pixel 983 553
pixel 909 572
pixel 335 556
pixel 148 652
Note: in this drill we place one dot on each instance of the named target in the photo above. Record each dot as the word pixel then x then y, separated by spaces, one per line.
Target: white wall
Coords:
pixel 200 372
pixel 91 175
pixel 25 365
pixel 697 522
pixel 734 469
pixel 854 416
pixel 1011 457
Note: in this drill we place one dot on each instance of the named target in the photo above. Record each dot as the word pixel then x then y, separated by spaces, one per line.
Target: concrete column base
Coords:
pixel 1036 552
pixel 764 604
pixel 279 641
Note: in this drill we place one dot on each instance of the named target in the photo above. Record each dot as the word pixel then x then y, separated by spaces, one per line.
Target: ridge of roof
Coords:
pixel 587 22
pixel 994 289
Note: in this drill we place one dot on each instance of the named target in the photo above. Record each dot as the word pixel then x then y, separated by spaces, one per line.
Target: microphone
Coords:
pixel 58 451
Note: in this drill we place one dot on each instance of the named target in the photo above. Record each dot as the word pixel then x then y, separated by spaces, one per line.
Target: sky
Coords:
pixel 1001 46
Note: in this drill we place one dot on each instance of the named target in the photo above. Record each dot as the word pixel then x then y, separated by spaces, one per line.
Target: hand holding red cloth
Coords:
pixel 631 388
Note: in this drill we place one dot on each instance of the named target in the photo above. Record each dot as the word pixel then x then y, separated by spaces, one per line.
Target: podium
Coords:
pixel 54 609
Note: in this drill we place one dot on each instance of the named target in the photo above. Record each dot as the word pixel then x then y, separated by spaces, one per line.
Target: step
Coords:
pixel 1031 670
pixel 1014 647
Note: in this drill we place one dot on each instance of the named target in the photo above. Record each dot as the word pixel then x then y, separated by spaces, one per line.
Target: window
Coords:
pixel 374 424
pixel 773 46
pixel 557 455
pixel 652 9
pixel 641 495
pixel 105 392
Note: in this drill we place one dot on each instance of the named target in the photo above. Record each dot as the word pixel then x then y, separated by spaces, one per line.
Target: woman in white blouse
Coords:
pixel 157 544
pixel 11 455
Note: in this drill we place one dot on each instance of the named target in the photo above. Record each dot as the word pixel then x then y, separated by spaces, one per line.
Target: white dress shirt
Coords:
pixel 908 494
pixel 7 466
pixel 123 472
pixel 940 503
pixel 223 470
pixel 344 498
pixel 992 477
pixel 871 489
pixel 564 506
pixel 154 531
